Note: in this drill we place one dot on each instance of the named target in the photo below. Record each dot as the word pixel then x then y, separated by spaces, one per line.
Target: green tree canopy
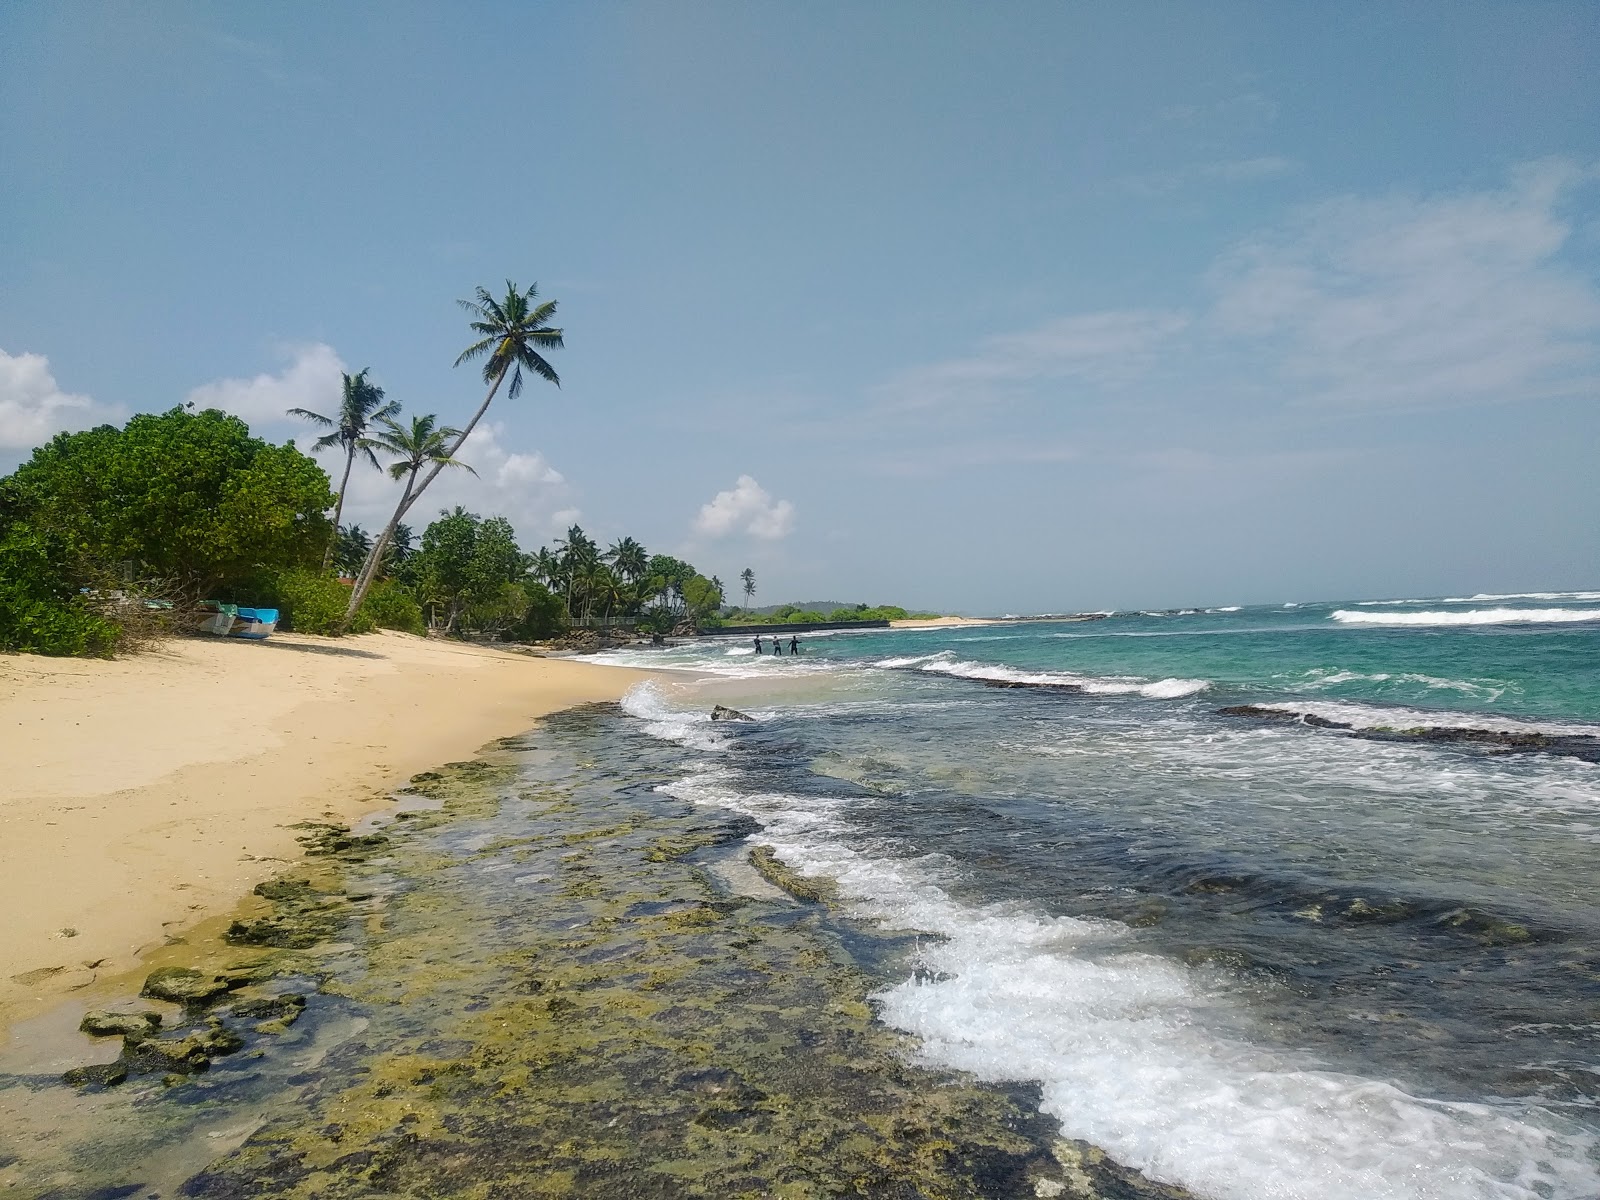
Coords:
pixel 471 568
pixel 186 496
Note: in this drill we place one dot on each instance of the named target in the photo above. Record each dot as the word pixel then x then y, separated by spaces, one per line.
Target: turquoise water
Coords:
pixel 1259 958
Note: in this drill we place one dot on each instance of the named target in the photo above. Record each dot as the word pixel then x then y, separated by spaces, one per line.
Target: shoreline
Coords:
pixel 538 981
pixel 146 795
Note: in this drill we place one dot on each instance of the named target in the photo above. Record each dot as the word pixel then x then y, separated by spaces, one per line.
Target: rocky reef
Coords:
pixel 1493 740
pixel 548 991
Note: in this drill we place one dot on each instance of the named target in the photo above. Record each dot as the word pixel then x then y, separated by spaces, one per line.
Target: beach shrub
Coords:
pixel 308 600
pixel 388 605
pixel 544 617
pixel 39 612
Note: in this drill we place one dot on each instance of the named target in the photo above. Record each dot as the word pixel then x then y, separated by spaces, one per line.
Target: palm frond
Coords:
pixel 315 418
pixel 477 348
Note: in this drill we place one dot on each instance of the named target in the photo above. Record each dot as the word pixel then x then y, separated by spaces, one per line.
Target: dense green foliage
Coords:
pixel 179 504
pixel 788 614
pixel 40 611
pixel 187 497
pixel 469 573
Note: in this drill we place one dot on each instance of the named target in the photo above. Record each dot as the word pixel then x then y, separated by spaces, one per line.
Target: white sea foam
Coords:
pixel 646 702
pixel 1160 689
pixel 907 660
pixel 1488 690
pixel 1134 1053
pixel 740 651
pixel 1227 608
pixel 1476 616
pixel 1483 596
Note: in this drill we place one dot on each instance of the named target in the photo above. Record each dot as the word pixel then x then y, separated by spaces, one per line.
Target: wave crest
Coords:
pixel 1480 616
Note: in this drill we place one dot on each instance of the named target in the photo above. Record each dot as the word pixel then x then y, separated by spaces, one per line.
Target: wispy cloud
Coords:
pixel 1222 172
pixel 953 457
pixel 1420 302
pixel 1244 110
pixel 1398 302
pixel 1105 348
pixel 34 408
pixel 745 508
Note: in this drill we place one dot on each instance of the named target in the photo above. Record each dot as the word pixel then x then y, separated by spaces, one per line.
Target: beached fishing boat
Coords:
pixel 230 620
pixel 254 623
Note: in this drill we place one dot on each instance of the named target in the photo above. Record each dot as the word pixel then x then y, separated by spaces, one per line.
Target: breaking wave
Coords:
pixel 1094 685
pixel 1143 1056
pixel 1477 616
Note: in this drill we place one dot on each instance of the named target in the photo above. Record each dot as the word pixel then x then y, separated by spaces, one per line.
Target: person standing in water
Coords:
pixel 777 647
pixel 794 645
pixel 758 645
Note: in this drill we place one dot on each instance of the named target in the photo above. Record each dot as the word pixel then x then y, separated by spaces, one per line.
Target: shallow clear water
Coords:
pixel 1257 958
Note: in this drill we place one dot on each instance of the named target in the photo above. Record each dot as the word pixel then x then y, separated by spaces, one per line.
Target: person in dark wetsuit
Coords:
pixel 777 647
pixel 794 645
pixel 758 645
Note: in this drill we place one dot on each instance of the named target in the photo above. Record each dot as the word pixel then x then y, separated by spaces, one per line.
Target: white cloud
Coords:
pixel 33 408
pixel 1420 302
pixel 1103 347
pixel 518 485
pixel 746 508
pixel 312 379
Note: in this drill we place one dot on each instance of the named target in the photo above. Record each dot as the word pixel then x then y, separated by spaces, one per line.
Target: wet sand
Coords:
pixel 141 796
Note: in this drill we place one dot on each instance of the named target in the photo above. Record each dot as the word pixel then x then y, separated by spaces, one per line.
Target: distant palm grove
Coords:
pixel 116 534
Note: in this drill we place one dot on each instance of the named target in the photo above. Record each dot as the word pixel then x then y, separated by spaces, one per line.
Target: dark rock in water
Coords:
pixel 1502 740
pixel 1023 683
pixel 184 985
pixel 98 1075
pixel 1261 713
pixel 274 1013
pixel 187 1055
pixel 723 713
pixel 109 1024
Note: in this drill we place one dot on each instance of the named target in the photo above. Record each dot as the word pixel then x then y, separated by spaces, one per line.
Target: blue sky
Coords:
pixel 977 307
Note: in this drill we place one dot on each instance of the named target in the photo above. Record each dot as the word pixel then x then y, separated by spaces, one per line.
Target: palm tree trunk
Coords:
pixel 465 434
pixel 338 506
pixel 369 569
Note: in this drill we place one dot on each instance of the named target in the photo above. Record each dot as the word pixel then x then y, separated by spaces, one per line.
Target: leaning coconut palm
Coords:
pixel 509 331
pixel 362 405
pixel 423 444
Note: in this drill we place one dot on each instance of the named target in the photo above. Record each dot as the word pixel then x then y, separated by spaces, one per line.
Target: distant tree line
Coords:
pixel 104 534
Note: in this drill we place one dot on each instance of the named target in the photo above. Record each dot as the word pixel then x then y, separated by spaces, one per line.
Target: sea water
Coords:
pixel 1255 957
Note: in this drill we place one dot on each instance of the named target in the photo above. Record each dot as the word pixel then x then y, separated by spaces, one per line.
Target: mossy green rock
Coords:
pixel 99 1023
pixel 184 985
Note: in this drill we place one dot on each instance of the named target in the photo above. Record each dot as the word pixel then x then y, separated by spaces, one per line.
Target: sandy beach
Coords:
pixel 143 795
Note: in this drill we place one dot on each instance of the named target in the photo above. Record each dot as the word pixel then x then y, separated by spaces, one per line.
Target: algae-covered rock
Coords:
pixel 815 891
pixel 99 1023
pixel 184 985
pixel 185 1055
pixel 98 1075
pixel 273 1014
pixel 326 841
